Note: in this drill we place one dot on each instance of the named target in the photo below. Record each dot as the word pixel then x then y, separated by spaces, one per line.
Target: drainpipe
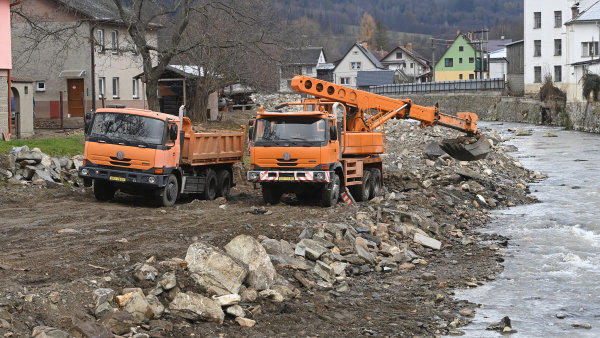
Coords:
pixel 9 108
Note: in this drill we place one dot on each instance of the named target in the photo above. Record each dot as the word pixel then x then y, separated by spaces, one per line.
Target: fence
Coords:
pixel 436 87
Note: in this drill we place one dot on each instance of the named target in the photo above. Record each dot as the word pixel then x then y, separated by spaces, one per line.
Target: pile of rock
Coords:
pixel 208 285
pixel 270 101
pixel 25 166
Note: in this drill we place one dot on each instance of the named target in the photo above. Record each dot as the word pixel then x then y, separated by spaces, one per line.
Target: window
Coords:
pixel 459 60
pixel 557 19
pixel 461 48
pixel 557 74
pixel 471 76
pixel 412 65
pixel 537 20
pixel 115 42
pixel 449 62
pixel 537 74
pixel 135 88
pixel 309 69
pixel 115 87
pixel 537 47
pixel 345 80
pixel 398 55
pixel 40 86
pixel 557 47
pixel 589 49
pixel 100 41
pixel 471 60
pixel 101 87
pixel 355 65
pixel 460 76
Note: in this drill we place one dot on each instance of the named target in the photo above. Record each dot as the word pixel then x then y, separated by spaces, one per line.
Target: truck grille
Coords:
pixel 287 163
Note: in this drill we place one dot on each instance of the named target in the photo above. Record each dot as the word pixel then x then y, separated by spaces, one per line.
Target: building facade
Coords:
pixel 457 62
pixel 65 65
pixel 358 58
pixel 405 59
pixel 301 61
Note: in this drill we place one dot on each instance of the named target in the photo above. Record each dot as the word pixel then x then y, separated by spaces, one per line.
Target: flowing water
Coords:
pixel 553 259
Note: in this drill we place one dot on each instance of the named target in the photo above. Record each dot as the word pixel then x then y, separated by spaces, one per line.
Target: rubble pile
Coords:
pixel 270 101
pixel 25 166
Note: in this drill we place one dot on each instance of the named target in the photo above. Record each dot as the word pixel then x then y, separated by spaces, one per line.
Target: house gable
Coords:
pixel 454 53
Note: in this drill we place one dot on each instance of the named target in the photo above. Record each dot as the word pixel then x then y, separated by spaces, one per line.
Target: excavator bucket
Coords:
pixel 466 148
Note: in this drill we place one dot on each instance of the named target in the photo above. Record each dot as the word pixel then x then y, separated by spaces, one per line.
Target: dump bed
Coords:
pixel 211 147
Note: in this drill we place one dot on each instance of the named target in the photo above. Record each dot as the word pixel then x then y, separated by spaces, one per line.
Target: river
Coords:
pixel 552 262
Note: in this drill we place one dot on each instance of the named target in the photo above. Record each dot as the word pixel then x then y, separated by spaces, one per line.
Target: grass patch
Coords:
pixel 60 146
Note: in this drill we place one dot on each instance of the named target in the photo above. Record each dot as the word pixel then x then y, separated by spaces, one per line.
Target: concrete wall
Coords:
pixel 3 102
pixel 515 83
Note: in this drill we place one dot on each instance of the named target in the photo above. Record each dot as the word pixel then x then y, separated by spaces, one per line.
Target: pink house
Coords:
pixel 5 65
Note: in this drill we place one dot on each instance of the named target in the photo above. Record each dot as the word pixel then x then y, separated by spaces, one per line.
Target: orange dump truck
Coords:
pixel 145 152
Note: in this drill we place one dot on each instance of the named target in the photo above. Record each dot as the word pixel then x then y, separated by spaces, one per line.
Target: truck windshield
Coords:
pixel 308 129
pixel 128 128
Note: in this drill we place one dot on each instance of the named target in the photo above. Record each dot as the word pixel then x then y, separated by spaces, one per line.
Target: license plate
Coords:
pixel 118 179
pixel 286 178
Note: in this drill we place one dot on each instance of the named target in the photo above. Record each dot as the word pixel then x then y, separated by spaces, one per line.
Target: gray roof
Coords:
pixel 367 78
pixel 95 9
pixel 494 45
pixel 369 55
pixel 302 56
pixel 590 14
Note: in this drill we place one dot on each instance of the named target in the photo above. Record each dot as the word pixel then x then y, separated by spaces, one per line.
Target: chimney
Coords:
pixel 575 11
pixel 409 46
pixel 365 44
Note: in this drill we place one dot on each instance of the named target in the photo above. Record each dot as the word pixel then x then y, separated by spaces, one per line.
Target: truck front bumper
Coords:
pixel 289 176
pixel 121 176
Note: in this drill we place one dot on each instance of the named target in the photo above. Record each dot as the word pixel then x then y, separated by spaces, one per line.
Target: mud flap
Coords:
pixel 467 148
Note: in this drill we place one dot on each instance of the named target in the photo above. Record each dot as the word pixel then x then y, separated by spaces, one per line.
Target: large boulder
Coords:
pixel 261 273
pixel 196 307
pixel 214 270
pixel 134 301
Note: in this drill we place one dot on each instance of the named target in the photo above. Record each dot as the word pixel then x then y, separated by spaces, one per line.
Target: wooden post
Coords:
pixel 60 105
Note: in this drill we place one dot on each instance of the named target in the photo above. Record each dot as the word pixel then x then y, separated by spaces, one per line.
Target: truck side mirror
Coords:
pixel 173 132
pixel 333 133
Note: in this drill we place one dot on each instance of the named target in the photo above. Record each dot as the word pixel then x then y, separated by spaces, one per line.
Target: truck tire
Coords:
pixel 331 192
pixel 271 193
pixel 169 192
pixel 210 185
pixel 362 192
pixel 375 183
pixel 223 183
pixel 103 191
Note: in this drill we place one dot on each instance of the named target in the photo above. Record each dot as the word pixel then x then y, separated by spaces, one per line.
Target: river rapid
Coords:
pixel 552 265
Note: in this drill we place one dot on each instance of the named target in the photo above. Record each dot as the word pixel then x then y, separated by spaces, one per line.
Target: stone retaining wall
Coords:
pixel 495 107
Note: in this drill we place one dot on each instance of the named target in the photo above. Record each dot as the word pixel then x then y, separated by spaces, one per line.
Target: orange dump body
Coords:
pixel 211 147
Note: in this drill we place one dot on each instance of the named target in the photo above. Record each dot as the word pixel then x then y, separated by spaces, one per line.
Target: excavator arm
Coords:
pixel 368 111
pixel 374 110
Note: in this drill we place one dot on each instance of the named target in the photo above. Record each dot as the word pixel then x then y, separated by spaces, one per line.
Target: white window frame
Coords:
pixel 309 69
pixel 115 88
pixel 101 87
pixel 537 74
pixel 345 80
pixel 398 55
pixel 135 88
pixel 557 19
pixel 40 86
pixel 557 73
pixel 100 41
pixel 537 20
pixel 356 65
pixel 537 48
pixel 557 47
pixel 115 41
pixel 589 48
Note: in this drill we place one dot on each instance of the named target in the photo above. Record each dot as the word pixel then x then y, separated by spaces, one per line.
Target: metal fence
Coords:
pixel 436 87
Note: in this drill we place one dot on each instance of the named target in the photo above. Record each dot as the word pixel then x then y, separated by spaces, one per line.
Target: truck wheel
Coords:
pixel 223 183
pixel 103 191
pixel 210 185
pixel 362 192
pixel 271 193
pixel 331 192
pixel 170 191
pixel 375 182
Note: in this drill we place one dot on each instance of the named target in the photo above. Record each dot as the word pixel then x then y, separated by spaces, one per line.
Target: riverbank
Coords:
pixel 422 237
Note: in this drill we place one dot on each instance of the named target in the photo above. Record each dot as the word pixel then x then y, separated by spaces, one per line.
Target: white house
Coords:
pixel 498 64
pixel 299 61
pixel 583 34
pixel 356 59
pixel 544 41
pixel 405 59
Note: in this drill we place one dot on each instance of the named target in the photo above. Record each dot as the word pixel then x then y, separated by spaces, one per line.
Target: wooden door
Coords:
pixel 75 97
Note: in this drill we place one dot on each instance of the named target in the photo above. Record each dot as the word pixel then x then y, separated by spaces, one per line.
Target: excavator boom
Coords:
pixel 372 110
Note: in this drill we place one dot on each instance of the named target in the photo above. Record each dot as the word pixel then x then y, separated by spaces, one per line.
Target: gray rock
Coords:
pixel 48 332
pixel 249 295
pixel 227 300
pixel 91 329
pixel 427 241
pixel 134 301
pixel 310 249
pixel 168 281
pixel 145 272
pixel 433 150
pixel 272 295
pixel 236 311
pixel 103 295
pixel 119 322
pixel 324 271
pixel 308 232
pixel 214 270
pixel 193 306
pixel 24 155
pixel 364 254
pixel 247 249
pixel 155 305
pixel 16 150
pixel 277 248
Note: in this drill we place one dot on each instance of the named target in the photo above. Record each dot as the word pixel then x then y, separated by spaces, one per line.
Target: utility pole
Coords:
pixel 433 60
pixel 92 67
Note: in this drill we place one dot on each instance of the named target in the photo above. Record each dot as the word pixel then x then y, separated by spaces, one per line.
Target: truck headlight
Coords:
pixel 84 172
pixel 253 175
pixel 151 179
pixel 319 176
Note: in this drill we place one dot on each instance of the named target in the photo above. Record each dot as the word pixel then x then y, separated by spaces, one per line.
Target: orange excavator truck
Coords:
pixel 150 153
pixel 336 140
